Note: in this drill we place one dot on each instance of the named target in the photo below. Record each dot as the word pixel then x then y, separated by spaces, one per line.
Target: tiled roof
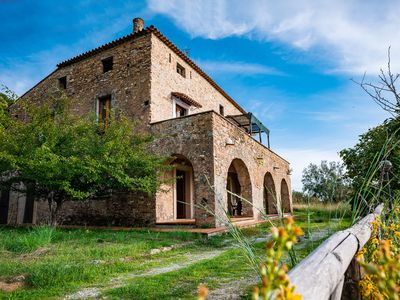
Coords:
pixel 185 98
pixel 156 32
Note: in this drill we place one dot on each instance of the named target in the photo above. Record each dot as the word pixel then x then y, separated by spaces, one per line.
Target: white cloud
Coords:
pixel 351 35
pixel 237 67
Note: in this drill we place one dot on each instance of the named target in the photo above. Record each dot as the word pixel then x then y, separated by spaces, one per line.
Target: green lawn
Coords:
pixel 119 264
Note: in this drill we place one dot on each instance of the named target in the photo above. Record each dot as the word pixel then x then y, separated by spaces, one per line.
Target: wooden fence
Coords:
pixel 331 270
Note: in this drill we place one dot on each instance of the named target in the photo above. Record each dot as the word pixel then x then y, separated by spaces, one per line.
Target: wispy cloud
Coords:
pixel 351 35
pixel 237 67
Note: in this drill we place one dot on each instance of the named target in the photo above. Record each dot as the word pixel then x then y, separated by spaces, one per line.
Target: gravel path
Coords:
pixel 94 292
pixel 233 290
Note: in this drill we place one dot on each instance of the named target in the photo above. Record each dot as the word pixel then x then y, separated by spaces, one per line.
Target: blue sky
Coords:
pixel 289 62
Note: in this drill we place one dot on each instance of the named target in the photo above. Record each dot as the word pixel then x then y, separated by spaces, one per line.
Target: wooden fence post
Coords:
pixel 351 289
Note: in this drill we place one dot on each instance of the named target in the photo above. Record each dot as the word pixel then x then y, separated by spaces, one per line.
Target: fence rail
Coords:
pixel 321 275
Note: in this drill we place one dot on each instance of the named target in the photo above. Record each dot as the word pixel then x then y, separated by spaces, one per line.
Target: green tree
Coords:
pixel 362 161
pixel 7 98
pixel 326 181
pixel 61 156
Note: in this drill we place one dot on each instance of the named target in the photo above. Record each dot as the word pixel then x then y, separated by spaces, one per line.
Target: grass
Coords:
pixel 57 262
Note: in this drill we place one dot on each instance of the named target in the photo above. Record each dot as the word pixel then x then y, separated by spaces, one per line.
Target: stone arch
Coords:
pixel 238 182
pixel 285 197
pixel 270 199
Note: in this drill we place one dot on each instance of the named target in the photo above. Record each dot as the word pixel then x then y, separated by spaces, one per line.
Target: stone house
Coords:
pixel 214 144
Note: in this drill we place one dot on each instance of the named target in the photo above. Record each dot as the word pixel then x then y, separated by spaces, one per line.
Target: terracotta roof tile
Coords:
pixel 185 98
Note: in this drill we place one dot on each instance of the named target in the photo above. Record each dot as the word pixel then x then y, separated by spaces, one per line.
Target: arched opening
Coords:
pixel 183 187
pixel 270 202
pixel 239 183
pixel 285 198
pixel 174 201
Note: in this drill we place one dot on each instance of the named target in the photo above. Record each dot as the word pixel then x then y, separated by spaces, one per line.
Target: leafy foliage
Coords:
pixel 326 181
pixel 379 143
pixel 61 156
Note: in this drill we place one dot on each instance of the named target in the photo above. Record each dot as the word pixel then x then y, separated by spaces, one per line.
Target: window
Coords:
pixel 107 64
pixel 62 82
pixel 170 59
pixel 179 108
pixel 104 110
pixel 180 70
pixel 180 111
pixel 221 110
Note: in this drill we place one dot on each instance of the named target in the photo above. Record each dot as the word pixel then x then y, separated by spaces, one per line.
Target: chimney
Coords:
pixel 138 24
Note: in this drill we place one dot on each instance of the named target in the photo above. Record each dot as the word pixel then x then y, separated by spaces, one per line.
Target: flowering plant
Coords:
pixel 380 260
pixel 273 274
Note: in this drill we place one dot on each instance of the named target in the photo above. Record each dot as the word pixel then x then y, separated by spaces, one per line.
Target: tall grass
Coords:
pixel 27 241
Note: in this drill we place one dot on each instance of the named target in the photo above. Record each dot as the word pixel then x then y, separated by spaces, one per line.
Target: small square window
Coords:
pixel 180 70
pixel 107 64
pixel 62 82
pixel 221 110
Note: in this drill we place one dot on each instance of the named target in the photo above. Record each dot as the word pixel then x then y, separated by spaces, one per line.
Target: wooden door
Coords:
pixel 234 203
pixel 180 194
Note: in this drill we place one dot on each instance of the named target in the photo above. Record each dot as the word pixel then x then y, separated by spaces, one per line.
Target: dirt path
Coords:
pixel 233 290
pixel 94 292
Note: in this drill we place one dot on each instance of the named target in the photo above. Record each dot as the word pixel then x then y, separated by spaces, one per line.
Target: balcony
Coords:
pixel 252 126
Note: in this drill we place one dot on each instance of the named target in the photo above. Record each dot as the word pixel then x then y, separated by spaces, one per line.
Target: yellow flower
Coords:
pixel 360 254
pixel 203 292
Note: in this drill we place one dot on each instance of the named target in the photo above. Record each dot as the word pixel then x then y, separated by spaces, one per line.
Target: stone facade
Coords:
pixel 200 137
pixel 165 79
pixel 209 154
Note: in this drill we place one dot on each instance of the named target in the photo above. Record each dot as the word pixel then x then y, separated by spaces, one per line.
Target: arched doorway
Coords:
pixel 183 187
pixel 174 200
pixel 285 198
pixel 239 183
pixel 270 202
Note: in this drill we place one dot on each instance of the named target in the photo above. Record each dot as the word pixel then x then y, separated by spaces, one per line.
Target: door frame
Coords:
pixel 189 177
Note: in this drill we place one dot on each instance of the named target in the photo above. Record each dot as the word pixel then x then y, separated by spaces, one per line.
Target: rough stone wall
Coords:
pixel 165 80
pixel 128 82
pixel 191 137
pixel 202 138
pixel 258 159
pixel 120 209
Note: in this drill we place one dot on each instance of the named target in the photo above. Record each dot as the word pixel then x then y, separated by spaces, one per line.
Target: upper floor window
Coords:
pixel 180 108
pixel 180 111
pixel 180 70
pixel 104 111
pixel 107 64
pixel 221 110
pixel 62 82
